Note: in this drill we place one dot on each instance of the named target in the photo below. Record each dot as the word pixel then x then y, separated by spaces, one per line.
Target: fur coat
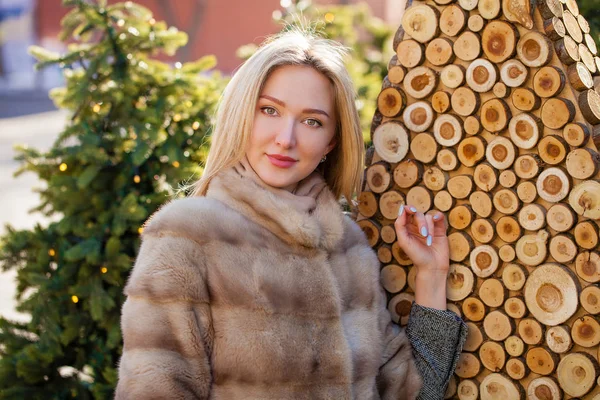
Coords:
pixel 253 292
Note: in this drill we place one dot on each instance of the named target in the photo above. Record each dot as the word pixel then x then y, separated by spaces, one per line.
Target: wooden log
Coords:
pixel 517 369
pixel 474 337
pixel 590 299
pixel 454 308
pixel 500 153
pixel 534 49
pixel 390 140
pixel 402 259
pixel 435 178
pixel 513 73
pixel 481 203
pixel 439 51
pixel 551 293
pixel 482 230
pixel 508 228
pixel 514 346
pixel 384 253
pixel 464 101
pixel 561 217
pixel 586 235
pixel 589 104
pixel 563 248
pixel 567 50
pixel 576 134
pixel 443 201
pixel 531 249
pixel 424 147
pixel 519 11
pixel 530 331
pixel 527 192
pixel 583 163
pixel 447 159
pixel 585 199
pixel 498 40
pixel 390 202
pixel 557 112
pixel 460 186
pixel 420 81
pixel 585 331
pixel 467 390
pixel 467 46
pixel 475 23
pixel 506 253
pixel 460 245
pixel 552 149
pixel 388 234
pixel 393 278
pixel 525 130
pixel 460 282
pixel 452 76
pixel 399 307
pixel 419 197
pixel 440 101
pixel 391 101
pixel 525 99
pixel 461 217
pixel 418 116
pixel 587 266
pixel 543 388
pixel 572 7
pixel 489 9
pixel 583 24
pixel 472 125
pixel 492 356
pixel 528 166
pixel 548 81
pixel 453 20
pixel 367 204
pixel 473 309
pixel 507 202
pixel 410 53
pixel 532 217
pixel 492 293
pixel 572 26
pixel 553 184
pixel 514 276
pixel 554 28
pixel 495 383
pixel 558 339
pixel 515 308
pixel 447 130
pixel 576 373
pixel 396 74
pixel 541 360
pixel 507 178
pixel 481 75
pixel 550 8
pixel 591 45
pixel 452 384
pixel 495 115
pixel 379 178
pixel 407 173
pixel 484 260
pixel 587 58
pixel 420 22
pixel 468 5
pixel 468 366
pixel 580 76
pixel 500 90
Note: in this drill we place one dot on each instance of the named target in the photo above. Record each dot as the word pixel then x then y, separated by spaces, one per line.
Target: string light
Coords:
pixel 140 230
pixel 151 21
pixel 63 167
pixel 177 117
pixel 96 108
pixel 329 17
pixel 196 125
pixel 51 252
pixel 136 179
pixel 104 270
pixel 176 164
pixel 75 299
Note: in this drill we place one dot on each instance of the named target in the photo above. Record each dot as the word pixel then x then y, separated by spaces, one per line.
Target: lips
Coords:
pixel 281 161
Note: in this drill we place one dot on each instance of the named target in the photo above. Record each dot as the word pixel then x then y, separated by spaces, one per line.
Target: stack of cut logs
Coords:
pixel 489 114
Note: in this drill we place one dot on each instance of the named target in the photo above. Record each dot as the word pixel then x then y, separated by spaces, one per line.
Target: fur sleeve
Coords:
pixel 398 377
pixel 166 322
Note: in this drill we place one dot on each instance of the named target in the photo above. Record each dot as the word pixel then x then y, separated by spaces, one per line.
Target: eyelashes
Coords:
pixel 272 112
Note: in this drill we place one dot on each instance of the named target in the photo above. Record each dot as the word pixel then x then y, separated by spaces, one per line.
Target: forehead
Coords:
pixel 301 86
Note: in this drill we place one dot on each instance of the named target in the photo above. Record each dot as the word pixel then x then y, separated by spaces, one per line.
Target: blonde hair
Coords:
pixel 342 169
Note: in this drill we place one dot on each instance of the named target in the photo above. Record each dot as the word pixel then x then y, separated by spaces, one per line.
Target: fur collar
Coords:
pixel 310 216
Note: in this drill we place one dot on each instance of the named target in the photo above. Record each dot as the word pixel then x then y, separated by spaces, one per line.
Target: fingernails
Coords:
pixel 429 240
pixel 401 210
pixel 413 209
pixel 424 231
pixel 436 217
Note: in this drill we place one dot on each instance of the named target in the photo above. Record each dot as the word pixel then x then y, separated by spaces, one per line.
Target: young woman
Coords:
pixel 258 286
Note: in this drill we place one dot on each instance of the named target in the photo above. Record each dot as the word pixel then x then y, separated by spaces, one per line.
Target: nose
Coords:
pixel 286 135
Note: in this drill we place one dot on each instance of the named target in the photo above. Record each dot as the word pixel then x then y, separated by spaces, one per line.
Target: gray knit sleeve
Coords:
pixel 437 338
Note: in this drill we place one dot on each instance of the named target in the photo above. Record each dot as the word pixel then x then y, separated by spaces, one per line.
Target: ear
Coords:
pixel 331 145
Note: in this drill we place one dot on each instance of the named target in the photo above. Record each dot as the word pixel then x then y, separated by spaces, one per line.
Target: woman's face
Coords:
pixel 294 126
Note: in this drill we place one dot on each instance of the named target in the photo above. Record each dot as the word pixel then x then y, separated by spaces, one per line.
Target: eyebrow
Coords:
pixel 306 110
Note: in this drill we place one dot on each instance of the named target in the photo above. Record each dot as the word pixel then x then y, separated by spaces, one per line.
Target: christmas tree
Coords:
pixel 136 125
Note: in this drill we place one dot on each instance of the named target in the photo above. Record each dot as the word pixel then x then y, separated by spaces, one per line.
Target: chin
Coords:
pixel 274 180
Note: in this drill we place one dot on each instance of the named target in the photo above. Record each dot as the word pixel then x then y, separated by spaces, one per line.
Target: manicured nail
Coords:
pixel 401 210
pixel 429 240
pixel 424 231
pixel 413 209
pixel 436 217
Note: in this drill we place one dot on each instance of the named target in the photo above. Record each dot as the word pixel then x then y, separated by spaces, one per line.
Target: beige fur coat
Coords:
pixel 256 293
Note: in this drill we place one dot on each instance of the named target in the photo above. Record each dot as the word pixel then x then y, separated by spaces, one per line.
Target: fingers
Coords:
pixel 439 223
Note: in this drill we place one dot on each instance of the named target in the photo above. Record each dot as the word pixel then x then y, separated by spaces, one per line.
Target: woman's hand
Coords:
pixel 423 239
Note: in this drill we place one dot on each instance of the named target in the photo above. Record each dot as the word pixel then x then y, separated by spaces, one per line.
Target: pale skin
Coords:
pixel 295 119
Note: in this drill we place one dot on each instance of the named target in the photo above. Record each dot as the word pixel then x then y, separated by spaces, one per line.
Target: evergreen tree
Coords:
pixel 136 125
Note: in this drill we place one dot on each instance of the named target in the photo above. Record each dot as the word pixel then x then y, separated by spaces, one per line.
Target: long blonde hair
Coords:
pixel 342 169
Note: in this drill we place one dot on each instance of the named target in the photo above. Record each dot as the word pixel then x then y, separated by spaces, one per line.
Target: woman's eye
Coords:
pixel 313 122
pixel 269 110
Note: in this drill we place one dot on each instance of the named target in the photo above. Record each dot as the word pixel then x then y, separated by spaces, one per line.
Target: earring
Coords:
pixel 324 158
